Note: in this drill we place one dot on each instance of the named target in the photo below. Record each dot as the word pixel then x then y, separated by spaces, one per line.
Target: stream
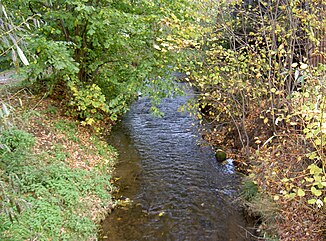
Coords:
pixel 177 189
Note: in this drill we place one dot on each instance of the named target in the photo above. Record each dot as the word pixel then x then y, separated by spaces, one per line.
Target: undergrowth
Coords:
pixel 47 193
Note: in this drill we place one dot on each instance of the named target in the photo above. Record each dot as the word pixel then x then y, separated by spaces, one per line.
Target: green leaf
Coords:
pixel 315 191
pixel 290 195
pixel 309 179
pixel 301 193
pixel 22 55
pixel 314 169
pixel 312 201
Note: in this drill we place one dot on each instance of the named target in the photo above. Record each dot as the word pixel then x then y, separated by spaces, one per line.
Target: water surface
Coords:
pixel 178 190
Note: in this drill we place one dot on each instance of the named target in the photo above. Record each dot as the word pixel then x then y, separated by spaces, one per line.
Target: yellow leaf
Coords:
pixel 265 120
pixel 312 201
pixel 89 121
pixel 281 47
pixel 315 191
pixel 301 193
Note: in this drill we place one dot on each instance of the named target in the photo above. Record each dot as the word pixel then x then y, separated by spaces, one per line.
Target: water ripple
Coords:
pixel 179 179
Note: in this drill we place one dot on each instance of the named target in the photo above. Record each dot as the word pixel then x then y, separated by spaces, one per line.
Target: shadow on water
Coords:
pixel 178 190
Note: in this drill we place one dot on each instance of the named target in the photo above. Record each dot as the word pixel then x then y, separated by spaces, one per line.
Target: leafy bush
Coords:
pixel 250 190
pixel 17 143
pixel 53 64
pixel 90 105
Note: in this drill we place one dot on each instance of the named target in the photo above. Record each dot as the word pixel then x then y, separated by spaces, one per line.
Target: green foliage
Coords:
pixel 17 144
pixel 90 104
pixel 52 63
pixel 250 190
pixel 43 198
pixel 48 204
pixel 16 140
pixel 65 126
pixel 252 62
pixel 110 47
pixel 312 186
pixel 69 128
pixel 308 114
pixel 12 34
pixel 12 203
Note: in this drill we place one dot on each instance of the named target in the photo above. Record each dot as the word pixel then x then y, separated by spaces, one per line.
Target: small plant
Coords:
pixel 52 202
pixel 89 103
pixel 249 190
pixel 59 152
pixel 17 140
pixel 52 110
pixel 67 127
pixel 11 202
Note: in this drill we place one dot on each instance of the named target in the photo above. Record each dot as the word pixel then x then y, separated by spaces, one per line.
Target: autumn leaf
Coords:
pixel 301 193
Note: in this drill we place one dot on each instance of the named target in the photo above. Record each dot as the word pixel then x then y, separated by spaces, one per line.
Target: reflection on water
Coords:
pixel 179 191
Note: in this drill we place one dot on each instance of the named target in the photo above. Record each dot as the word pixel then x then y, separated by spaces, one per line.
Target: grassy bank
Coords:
pixel 54 174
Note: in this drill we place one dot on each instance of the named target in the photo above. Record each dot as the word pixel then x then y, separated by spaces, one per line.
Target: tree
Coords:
pixel 263 90
pixel 99 53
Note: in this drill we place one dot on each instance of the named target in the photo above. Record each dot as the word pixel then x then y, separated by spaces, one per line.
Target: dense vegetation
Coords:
pixel 258 65
pixel 99 54
pixel 91 58
pixel 47 191
pixel 262 79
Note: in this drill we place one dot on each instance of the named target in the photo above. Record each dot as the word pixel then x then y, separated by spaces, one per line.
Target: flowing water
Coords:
pixel 178 190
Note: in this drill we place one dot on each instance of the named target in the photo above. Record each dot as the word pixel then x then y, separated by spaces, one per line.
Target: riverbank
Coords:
pixel 264 98
pixel 55 174
pixel 281 186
